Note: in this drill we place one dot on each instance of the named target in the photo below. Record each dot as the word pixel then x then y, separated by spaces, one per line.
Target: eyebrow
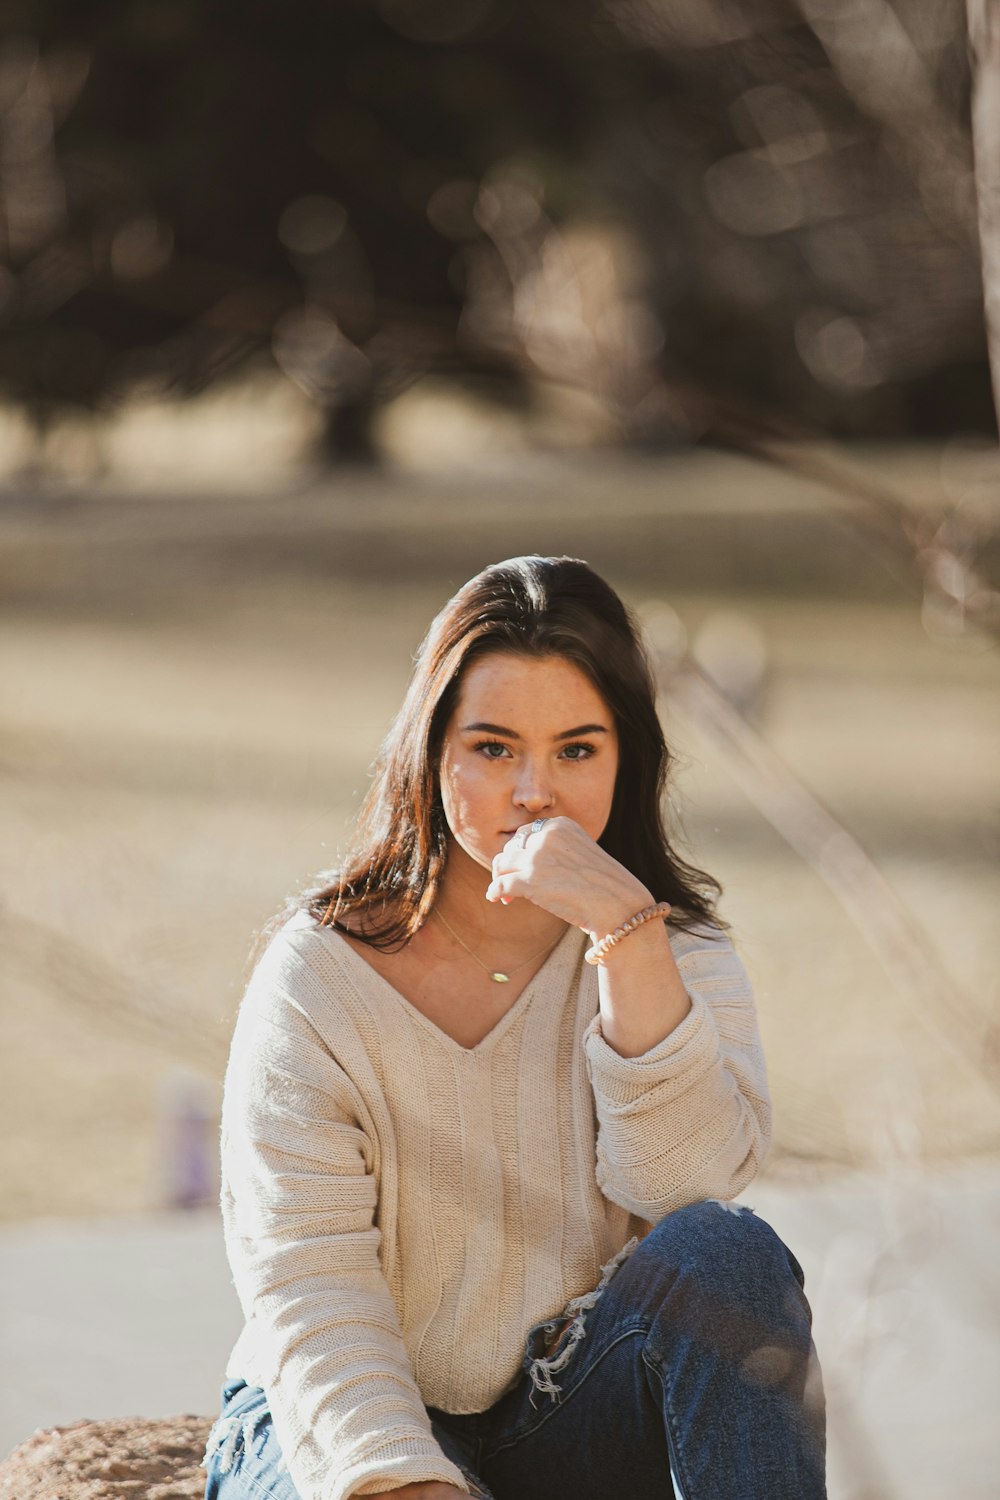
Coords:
pixel 481 727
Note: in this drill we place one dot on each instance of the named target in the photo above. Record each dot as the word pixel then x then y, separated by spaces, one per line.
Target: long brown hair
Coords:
pixel 534 606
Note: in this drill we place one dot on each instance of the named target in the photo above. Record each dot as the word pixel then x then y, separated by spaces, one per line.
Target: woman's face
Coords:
pixel 530 737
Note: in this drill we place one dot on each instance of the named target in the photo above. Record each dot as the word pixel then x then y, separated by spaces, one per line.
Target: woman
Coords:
pixel 486 1109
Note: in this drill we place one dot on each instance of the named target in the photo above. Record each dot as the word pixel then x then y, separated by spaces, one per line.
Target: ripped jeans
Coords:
pixel 690 1370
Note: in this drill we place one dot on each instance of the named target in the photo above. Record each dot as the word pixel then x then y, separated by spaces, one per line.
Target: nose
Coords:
pixel 532 790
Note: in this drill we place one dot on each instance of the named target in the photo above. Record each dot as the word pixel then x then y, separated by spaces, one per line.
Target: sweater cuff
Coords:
pixel 371 1477
pixel 681 1057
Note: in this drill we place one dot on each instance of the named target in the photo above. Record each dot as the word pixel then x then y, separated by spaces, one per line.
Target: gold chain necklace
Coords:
pixel 497 975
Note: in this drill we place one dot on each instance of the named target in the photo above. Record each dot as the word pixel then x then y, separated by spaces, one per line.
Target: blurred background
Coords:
pixel 307 314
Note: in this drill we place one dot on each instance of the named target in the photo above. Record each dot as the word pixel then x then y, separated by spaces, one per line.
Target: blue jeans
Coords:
pixel 693 1369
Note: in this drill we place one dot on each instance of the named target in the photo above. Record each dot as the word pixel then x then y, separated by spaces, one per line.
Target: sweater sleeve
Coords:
pixel 299 1201
pixel 691 1118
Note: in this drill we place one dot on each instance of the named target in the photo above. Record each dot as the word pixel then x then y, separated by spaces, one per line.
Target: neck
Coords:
pixel 462 900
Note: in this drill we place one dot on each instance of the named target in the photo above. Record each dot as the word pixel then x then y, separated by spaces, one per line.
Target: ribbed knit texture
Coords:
pixel 400 1210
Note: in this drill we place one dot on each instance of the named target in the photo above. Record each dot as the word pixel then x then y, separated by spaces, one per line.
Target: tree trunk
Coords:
pixel 347 435
pixel 984 40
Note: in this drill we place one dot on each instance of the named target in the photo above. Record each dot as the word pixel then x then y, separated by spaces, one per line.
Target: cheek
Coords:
pixel 462 790
pixel 603 792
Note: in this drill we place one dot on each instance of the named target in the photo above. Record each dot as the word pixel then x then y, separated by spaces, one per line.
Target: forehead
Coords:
pixel 550 685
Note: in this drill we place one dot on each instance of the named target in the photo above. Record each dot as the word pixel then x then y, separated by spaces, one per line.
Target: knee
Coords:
pixel 725 1238
pixel 734 1258
pixel 727 1285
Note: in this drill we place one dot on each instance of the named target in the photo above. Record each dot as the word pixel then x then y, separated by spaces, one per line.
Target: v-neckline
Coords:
pixel 557 953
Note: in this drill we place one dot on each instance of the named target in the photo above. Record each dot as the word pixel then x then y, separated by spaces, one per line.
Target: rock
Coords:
pixel 124 1458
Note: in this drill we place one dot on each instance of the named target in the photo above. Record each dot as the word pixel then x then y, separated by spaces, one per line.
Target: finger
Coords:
pixel 507 887
pixel 509 858
pixel 503 862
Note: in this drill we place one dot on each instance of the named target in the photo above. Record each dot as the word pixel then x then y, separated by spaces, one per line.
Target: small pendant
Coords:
pixel 499 978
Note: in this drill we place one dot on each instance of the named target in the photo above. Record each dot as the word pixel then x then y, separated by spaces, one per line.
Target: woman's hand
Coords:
pixel 563 870
pixel 431 1489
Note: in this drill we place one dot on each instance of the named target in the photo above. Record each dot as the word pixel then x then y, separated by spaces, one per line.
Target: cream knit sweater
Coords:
pixel 400 1211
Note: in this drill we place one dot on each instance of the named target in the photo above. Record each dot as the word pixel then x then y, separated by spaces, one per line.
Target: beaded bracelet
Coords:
pixel 598 953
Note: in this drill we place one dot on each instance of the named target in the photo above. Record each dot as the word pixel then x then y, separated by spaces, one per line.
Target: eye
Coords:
pixel 486 749
pixel 578 750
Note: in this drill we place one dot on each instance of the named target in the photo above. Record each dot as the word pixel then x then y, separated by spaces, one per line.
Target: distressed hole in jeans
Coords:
pixel 542 1370
pixel 228 1435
